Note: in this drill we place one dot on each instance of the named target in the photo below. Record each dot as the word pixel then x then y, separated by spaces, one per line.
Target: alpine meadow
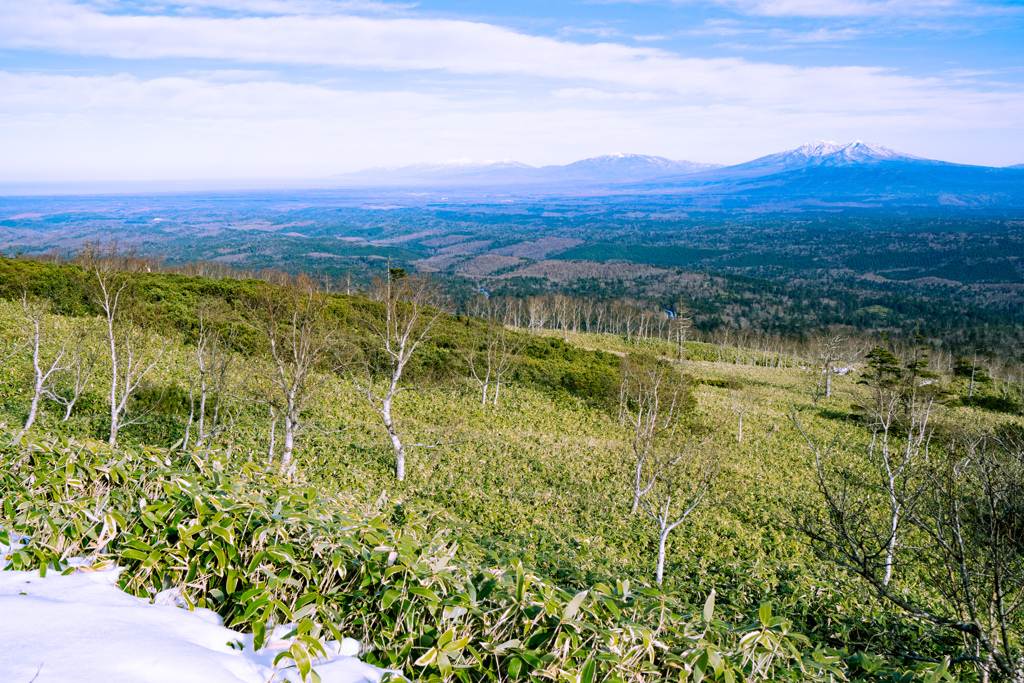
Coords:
pixel 496 497
pixel 470 341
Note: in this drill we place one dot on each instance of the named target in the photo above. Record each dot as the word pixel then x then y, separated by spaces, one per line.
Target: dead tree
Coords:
pixel 44 365
pixel 507 349
pixel 679 326
pixel 492 358
pixel 213 379
pixel 562 308
pixel 133 351
pixel 69 385
pixel 677 481
pixel 292 317
pixel 741 408
pixel 481 364
pixel 833 355
pixel 537 310
pixel 652 397
pixel 963 504
pixel 411 304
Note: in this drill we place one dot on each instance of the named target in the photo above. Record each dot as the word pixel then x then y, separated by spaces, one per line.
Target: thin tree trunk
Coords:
pixel 38 387
pixel 396 442
pixel 273 433
pixel 662 538
pixel 289 441
pixel 114 413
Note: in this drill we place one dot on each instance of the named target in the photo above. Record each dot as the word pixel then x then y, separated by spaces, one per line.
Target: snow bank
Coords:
pixel 80 628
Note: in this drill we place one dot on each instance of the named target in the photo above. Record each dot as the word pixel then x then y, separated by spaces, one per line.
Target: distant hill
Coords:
pixel 609 168
pixel 819 173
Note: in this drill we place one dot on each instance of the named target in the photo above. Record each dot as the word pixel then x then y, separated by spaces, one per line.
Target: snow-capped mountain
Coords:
pixel 855 173
pixel 823 153
pixel 849 174
pixel 615 167
pixel 609 168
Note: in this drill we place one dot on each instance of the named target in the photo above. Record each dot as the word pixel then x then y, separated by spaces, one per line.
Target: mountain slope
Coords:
pixel 609 168
pixel 623 167
pixel 854 173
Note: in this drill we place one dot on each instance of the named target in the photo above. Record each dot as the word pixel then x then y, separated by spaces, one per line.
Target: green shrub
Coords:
pixel 551 363
pixel 263 551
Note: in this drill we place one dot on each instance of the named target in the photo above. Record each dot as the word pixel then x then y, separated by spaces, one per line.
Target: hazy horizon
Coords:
pixel 112 90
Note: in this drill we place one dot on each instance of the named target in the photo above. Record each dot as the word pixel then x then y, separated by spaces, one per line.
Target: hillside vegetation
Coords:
pixel 253 466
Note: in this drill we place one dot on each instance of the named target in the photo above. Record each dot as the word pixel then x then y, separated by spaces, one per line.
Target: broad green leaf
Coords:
pixel 709 606
pixel 574 606
pixel 389 598
pixel 514 666
pixel 589 669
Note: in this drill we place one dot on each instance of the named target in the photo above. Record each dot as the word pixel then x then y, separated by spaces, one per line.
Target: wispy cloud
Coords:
pixel 821 35
pixel 596 31
pixel 605 96
pixel 314 86
pixel 867 8
pixel 463 48
pixel 252 7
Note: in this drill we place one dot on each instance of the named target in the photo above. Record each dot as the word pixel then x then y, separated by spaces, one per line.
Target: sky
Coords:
pixel 237 89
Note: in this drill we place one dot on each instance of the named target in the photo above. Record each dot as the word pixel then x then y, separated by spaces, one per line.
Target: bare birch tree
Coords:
pixel 69 385
pixel 213 379
pixel 741 407
pixel 411 305
pixel 44 364
pixel 507 349
pixel 679 326
pixel 963 505
pixel 678 480
pixel 133 351
pixel 492 358
pixel 652 397
pixel 291 316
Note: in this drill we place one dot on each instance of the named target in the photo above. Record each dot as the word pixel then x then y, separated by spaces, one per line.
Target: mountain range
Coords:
pixel 820 172
pixel 602 169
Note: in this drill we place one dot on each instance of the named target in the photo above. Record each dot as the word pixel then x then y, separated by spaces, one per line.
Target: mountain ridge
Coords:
pixel 604 168
pixel 815 174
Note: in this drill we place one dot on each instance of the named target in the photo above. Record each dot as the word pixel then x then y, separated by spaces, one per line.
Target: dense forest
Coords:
pixel 510 485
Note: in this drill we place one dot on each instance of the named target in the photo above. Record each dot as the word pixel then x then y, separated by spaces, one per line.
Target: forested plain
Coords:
pixel 955 276
pixel 623 471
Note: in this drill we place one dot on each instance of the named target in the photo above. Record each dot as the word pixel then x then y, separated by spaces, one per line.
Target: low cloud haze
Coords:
pixel 277 89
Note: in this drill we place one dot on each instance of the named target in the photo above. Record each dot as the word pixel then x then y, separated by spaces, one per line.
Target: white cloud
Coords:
pixel 595 94
pixel 469 49
pixel 261 7
pixel 821 35
pixel 124 126
pixel 456 88
pixel 833 9
pixel 840 8
pixel 598 31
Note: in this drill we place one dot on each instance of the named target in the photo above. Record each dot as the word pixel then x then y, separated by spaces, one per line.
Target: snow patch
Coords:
pixel 80 627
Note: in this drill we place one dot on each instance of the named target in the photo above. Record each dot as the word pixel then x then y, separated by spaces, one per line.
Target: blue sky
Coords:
pixel 102 90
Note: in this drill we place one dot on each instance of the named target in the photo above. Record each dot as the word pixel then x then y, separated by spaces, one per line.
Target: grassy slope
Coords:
pixel 540 477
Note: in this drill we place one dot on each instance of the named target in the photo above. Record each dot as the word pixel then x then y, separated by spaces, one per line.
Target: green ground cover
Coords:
pixel 472 568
